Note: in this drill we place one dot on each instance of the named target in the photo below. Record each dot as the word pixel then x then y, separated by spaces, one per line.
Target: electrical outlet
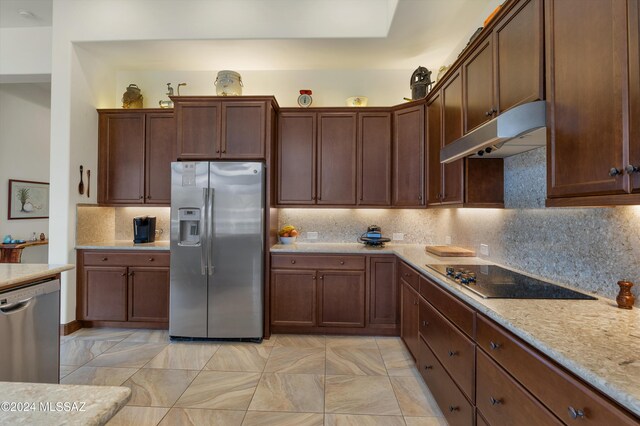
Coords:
pixel 312 235
pixel 484 249
pixel 447 239
pixel 398 236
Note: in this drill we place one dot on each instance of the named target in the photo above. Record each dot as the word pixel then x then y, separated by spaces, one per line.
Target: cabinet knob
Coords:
pixel 495 401
pixel 425 323
pixel 494 345
pixel 406 274
pixel 149 197
pixel 141 197
pixel 415 302
pixel 293 261
pixel 313 277
pixel 124 274
pixel 453 353
pixel 104 259
pixel 151 259
pixel 224 151
pixel 342 262
pixel 217 151
pixel 452 409
pixel 615 172
pixel 419 197
pixel 576 413
pixel 131 273
pixel 488 113
pixel 322 277
pixel 428 367
pixel 632 169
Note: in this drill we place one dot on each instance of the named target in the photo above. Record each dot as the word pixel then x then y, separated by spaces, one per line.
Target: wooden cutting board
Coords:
pixel 450 251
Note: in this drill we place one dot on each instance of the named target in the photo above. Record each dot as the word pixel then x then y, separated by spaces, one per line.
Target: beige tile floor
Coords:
pixel 287 380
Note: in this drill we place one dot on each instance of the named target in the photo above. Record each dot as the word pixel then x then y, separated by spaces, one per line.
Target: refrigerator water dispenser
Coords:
pixel 189 227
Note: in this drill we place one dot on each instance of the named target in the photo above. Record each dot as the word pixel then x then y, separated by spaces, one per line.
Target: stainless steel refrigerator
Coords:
pixel 217 231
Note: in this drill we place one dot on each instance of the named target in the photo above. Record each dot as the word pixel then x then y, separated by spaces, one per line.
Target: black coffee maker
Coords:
pixel 144 229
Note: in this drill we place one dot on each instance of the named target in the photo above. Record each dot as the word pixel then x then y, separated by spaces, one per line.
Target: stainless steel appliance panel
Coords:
pixel 29 332
pixel 188 290
pixel 236 252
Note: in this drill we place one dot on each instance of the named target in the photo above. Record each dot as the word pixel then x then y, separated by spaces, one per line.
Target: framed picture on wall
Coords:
pixel 28 200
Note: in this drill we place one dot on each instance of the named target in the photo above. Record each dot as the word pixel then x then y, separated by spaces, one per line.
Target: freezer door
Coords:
pixel 236 256
pixel 188 289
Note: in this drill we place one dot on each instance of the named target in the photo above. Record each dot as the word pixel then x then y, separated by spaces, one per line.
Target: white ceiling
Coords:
pixel 423 32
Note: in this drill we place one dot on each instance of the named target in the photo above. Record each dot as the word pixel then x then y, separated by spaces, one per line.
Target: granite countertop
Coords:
pixel 123 245
pixel 52 404
pixel 592 338
pixel 16 274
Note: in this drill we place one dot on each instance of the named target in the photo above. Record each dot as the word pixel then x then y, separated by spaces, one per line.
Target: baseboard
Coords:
pixel 70 327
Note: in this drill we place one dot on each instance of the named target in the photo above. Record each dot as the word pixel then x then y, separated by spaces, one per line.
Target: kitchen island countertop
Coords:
pixel 124 245
pixel 591 338
pixel 16 274
pixel 53 404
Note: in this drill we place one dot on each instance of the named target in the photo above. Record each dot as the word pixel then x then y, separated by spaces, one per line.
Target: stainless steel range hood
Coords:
pixel 518 130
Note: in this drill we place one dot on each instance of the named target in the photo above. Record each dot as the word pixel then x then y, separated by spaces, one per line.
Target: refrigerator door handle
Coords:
pixel 204 245
pixel 210 266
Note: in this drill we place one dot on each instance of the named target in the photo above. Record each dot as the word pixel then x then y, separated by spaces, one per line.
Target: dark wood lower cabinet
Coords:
pixel 123 288
pixel 341 299
pixel 455 407
pixel 293 298
pixel 410 316
pixel 383 292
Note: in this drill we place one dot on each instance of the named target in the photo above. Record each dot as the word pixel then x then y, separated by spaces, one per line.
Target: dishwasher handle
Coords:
pixel 16 307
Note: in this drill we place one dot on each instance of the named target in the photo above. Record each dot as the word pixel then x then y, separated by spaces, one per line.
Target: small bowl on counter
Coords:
pixel 287 240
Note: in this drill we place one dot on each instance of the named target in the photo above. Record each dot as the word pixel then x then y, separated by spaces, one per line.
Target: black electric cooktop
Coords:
pixel 494 282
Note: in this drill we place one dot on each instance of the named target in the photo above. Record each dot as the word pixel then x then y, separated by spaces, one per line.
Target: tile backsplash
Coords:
pixel 589 248
pixel 103 224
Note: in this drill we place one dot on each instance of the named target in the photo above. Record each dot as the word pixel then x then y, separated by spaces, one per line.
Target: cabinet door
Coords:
pixel 337 158
pixel 243 130
pixel 383 291
pixel 105 293
pixel 293 298
pixel 519 56
pixel 478 86
pixel 408 157
pixel 160 152
pixel 374 158
pixel 586 104
pixel 453 175
pixel 634 93
pixel 410 317
pixel 297 158
pixel 341 299
pixel 149 294
pixel 121 157
pixel 434 142
pixel 198 130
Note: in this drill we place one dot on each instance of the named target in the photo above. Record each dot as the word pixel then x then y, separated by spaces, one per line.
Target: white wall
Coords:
pixel 330 87
pixel 24 155
pixel 25 54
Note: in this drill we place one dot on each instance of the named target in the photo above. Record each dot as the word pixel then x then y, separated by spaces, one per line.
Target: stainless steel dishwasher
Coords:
pixel 29 333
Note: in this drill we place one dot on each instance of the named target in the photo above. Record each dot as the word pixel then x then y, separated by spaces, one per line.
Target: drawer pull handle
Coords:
pixel 428 367
pixel 342 262
pixel 453 353
pixel 494 345
pixel 104 259
pixel 293 262
pixel 452 409
pixel 495 401
pixel 576 413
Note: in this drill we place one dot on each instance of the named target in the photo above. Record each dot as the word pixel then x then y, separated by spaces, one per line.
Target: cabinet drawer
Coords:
pixel 457 312
pixel 455 351
pixel 557 389
pixel 297 261
pixel 408 274
pixel 503 401
pixel 118 258
pixel 457 410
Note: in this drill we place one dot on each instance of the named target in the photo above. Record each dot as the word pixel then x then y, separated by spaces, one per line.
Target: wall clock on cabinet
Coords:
pixel 304 100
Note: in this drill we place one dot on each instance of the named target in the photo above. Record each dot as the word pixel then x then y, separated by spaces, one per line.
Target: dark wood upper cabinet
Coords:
pixel 374 158
pixel 135 151
pixel 434 142
pixel 337 158
pixel 228 128
pixel 243 130
pixel 634 94
pixel 588 141
pixel 519 70
pixel 160 151
pixel 341 299
pixel 453 174
pixel 479 86
pixel 408 157
pixel 297 158
pixel 198 129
